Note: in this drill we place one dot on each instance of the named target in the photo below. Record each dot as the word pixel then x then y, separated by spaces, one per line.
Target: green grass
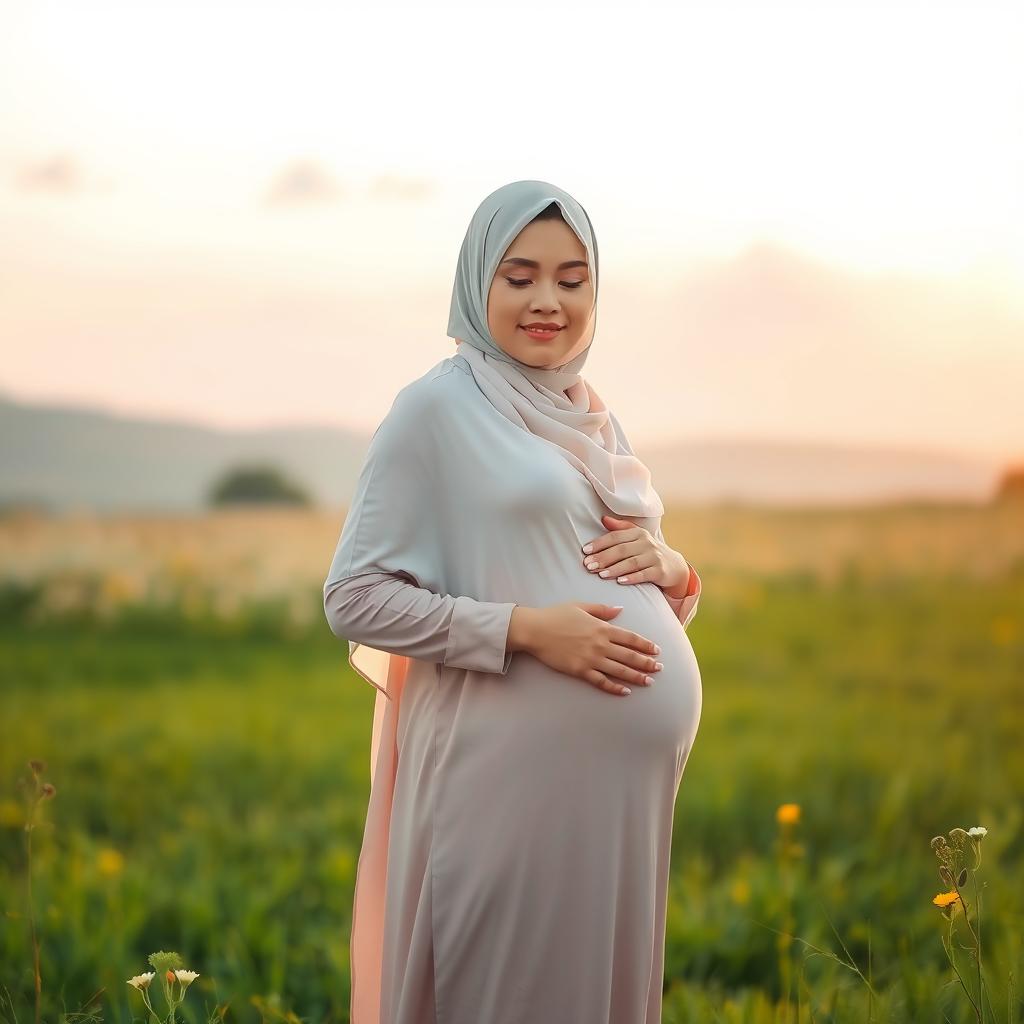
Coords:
pixel 229 769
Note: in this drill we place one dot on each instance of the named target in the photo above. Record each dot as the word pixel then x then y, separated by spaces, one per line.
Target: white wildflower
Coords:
pixel 186 977
pixel 141 981
pixel 978 832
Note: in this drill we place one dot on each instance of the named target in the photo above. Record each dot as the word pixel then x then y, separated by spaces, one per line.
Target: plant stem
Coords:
pixel 975 936
pixel 949 953
pixel 977 909
pixel 31 906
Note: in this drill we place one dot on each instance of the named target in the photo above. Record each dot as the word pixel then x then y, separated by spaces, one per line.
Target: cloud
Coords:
pixel 387 186
pixel 60 173
pixel 303 181
pixel 306 180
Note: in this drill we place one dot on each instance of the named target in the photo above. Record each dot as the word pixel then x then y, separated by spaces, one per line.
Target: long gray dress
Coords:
pixel 526 815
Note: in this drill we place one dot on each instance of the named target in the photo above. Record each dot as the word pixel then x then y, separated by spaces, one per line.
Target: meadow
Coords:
pixel 175 682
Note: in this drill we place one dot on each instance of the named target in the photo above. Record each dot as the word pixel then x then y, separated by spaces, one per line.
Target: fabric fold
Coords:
pixel 554 403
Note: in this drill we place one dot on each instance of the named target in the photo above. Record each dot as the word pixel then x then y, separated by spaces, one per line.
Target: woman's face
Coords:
pixel 543 279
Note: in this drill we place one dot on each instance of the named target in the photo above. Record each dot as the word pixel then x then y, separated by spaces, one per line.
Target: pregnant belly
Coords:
pixel 533 710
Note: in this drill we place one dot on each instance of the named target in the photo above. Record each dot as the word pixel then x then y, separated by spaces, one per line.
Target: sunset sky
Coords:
pixel 810 216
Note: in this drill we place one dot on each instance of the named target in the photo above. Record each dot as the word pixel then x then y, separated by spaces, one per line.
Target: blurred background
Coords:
pixel 228 235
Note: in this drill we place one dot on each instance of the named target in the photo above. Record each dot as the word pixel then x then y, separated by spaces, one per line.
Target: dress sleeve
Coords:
pixel 684 607
pixel 390 614
pixel 383 593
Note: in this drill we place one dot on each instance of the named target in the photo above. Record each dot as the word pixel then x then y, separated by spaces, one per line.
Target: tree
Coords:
pixel 257 484
pixel 1011 483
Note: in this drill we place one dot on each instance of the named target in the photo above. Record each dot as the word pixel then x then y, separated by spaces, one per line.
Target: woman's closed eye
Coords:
pixel 520 283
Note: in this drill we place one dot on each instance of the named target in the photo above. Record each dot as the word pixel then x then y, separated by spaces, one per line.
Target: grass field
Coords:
pixel 209 752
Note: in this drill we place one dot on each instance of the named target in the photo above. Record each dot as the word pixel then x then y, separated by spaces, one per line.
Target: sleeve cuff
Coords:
pixel 478 636
pixel 686 607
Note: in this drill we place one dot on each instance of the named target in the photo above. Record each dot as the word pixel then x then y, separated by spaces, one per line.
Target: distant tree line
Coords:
pixel 256 484
pixel 1011 483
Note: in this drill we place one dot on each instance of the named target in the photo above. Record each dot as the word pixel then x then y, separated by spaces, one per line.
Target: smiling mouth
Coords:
pixel 539 333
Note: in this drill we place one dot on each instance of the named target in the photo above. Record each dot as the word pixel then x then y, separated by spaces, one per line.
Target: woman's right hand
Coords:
pixel 576 638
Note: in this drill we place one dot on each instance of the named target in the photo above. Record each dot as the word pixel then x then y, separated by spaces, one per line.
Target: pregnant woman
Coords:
pixel 503 581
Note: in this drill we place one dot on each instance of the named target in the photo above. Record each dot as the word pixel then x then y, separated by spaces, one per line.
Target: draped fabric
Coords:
pixel 478 488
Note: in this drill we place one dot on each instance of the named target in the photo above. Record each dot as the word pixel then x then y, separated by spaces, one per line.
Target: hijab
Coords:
pixel 555 403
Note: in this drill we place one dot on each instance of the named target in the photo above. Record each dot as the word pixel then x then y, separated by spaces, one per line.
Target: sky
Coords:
pixel 810 216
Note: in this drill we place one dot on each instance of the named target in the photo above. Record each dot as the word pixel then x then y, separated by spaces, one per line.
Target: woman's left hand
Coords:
pixel 630 554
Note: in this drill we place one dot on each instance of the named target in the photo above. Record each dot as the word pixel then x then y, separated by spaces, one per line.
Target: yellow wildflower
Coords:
pixel 740 891
pixel 788 814
pixel 11 814
pixel 110 862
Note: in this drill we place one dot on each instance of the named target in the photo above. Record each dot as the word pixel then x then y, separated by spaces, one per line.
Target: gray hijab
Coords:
pixel 554 403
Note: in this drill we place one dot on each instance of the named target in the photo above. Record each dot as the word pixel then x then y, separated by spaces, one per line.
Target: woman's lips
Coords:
pixel 538 335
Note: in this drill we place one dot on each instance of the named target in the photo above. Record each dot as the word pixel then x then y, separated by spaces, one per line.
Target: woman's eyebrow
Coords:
pixel 520 262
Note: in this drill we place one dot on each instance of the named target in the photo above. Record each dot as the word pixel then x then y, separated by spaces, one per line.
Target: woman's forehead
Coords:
pixel 543 242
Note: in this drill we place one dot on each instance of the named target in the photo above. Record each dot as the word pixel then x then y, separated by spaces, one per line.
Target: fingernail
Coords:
pixel 657 649
pixel 658 665
pixel 587 548
pixel 649 680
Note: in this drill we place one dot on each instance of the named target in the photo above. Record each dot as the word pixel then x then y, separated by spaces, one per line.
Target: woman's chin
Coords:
pixel 539 354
